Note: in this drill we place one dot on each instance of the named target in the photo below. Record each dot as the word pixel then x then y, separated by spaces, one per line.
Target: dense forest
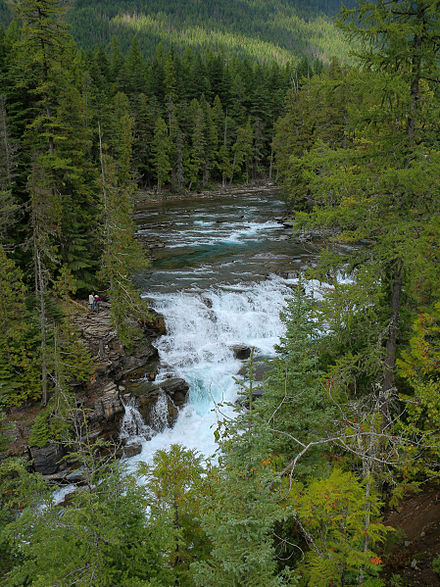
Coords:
pixel 272 30
pixel 348 418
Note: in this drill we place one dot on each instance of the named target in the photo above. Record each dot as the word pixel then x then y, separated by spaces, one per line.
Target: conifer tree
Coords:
pixel 19 339
pixel 8 164
pixel 386 193
pixel 198 145
pixel 122 256
pixel 161 148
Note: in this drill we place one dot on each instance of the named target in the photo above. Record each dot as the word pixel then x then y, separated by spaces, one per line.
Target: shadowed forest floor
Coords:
pixel 416 543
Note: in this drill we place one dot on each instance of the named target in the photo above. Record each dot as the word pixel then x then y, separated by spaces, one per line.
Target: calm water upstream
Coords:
pixel 220 278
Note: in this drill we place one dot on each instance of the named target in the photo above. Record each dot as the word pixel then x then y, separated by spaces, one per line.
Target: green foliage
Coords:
pixel 18 490
pixel 240 512
pixel 47 428
pixel 103 537
pixel 332 511
pixel 436 565
pixel 294 404
pixel 161 152
pixel 176 485
pixel 19 340
pixel 122 256
pixel 271 30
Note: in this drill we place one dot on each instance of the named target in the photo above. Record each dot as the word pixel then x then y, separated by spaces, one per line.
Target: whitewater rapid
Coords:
pixel 221 275
pixel 202 330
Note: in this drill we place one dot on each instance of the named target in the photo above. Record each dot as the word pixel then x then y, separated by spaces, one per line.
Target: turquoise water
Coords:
pixel 221 278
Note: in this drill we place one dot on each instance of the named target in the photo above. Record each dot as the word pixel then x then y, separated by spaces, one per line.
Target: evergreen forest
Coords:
pixel 103 104
pixel 272 30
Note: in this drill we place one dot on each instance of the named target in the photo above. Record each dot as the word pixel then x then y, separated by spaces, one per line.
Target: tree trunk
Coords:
pixel 390 354
pixel 41 291
pixel 271 161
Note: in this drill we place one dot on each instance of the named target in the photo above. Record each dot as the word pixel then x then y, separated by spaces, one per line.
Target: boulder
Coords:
pixel 130 450
pixel 177 389
pixel 46 460
pixel 241 351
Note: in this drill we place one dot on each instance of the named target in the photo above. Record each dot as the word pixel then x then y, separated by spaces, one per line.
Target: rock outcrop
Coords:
pixel 241 351
pixel 48 459
pixel 158 403
pixel 103 398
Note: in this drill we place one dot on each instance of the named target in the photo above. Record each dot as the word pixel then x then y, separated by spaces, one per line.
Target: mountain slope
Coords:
pixel 268 29
pixel 264 29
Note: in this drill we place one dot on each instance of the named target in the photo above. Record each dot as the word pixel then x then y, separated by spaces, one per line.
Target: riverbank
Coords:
pixel 148 196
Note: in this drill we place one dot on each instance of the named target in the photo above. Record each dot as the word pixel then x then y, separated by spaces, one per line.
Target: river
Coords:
pixel 223 269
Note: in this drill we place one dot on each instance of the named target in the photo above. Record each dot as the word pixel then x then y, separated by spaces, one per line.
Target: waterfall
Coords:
pixel 202 328
pixel 159 413
pixel 133 428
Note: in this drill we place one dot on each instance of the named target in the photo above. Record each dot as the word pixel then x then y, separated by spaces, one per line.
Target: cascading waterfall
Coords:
pixel 159 414
pixel 202 329
pixel 216 279
pixel 133 428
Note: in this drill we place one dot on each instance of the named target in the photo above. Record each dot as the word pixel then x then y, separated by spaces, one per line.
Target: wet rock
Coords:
pixel 147 395
pixel 130 450
pixel 148 410
pixel 173 412
pixel 206 301
pixel 177 389
pixel 153 243
pixel 146 404
pixel 241 351
pixel 260 370
pixel 46 460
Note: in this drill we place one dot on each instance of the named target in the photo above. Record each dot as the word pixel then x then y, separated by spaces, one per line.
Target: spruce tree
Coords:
pixel 382 188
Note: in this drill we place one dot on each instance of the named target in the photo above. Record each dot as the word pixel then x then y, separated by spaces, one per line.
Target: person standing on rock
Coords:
pixel 92 301
pixel 97 300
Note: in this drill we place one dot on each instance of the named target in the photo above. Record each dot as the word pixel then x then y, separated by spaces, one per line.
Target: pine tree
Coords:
pixel 8 164
pixel 294 402
pixel 122 256
pixel 161 152
pixel 19 339
pixel 198 145
pixel 381 188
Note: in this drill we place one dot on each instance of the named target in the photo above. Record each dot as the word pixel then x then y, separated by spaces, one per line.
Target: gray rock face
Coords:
pixel 130 450
pixel 46 460
pixel 101 396
pixel 109 404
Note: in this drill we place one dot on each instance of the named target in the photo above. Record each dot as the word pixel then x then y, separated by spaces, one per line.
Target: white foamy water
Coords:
pixel 133 428
pixel 202 328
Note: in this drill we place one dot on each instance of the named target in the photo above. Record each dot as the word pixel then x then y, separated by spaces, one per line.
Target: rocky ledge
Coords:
pixel 118 377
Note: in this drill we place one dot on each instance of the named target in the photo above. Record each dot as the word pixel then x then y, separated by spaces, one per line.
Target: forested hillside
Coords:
pixel 346 420
pixel 271 30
